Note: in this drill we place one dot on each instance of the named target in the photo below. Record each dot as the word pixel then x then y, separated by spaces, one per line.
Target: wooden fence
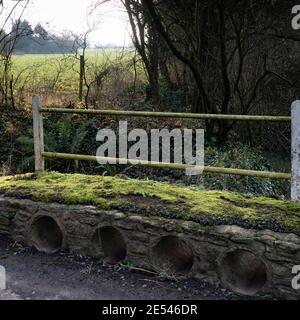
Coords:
pixel 294 119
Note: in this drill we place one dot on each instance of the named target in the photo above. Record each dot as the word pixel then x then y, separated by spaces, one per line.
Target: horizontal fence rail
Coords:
pixel 294 120
pixel 207 169
pixel 173 115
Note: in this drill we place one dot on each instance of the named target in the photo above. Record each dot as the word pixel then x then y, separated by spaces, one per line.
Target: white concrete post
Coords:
pixel 2 278
pixel 38 134
pixel 295 142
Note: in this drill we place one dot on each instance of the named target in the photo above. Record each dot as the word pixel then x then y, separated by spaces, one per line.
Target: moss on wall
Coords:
pixel 156 199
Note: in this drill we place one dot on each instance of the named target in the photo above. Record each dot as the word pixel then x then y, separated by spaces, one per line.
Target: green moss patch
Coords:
pixel 156 199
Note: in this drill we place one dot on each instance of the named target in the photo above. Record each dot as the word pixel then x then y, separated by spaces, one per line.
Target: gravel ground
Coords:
pixel 35 276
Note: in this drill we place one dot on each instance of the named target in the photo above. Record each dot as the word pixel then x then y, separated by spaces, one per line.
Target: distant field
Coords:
pixel 57 72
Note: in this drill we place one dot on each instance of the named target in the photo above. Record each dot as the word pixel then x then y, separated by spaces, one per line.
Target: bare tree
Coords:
pixel 10 19
pixel 232 48
pixel 146 41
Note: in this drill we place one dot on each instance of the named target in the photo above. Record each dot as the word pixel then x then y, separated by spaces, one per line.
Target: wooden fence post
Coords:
pixel 38 134
pixel 80 94
pixel 295 143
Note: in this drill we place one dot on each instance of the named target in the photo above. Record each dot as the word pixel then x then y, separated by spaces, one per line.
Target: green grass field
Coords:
pixel 58 72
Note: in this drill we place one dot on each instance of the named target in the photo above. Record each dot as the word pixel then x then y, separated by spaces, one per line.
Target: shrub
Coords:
pixel 243 157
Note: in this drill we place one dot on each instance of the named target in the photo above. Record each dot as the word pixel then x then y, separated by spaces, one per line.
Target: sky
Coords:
pixel 109 20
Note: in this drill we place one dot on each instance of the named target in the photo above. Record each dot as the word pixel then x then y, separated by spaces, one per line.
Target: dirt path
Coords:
pixel 32 275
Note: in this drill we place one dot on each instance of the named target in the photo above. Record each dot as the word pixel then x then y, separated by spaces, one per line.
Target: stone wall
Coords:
pixel 243 260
